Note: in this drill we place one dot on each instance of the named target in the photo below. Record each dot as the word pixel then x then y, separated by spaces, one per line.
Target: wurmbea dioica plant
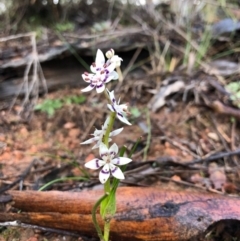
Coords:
pixel 109 161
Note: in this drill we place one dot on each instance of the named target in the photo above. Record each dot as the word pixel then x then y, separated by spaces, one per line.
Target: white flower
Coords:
pixel 102 73
pixel 108 163
pixel 98 135
pixel 121 110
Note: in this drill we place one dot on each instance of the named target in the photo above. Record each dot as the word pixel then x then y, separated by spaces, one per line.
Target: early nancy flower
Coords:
pixel 108 163
pixel 121 110
pixel 102 73
pixel 98 135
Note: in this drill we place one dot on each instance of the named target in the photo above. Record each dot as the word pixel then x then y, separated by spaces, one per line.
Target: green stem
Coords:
pixel 109 128
pixel 94 216
pixel 107 229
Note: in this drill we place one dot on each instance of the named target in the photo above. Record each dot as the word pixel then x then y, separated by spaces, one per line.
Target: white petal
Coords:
pixel 113 150
pixel 115 75
pixel 111 76
pixel 103 150
pixel 116 171
pixel 100 88
pixel 104 173
pixel 89 88
pixel 87 77
pixel 106 123
pixel 121 161
pixel 100 59
pixel 97 132
pixel 117 60
pixel 111 96
pixel 116 132
pixel 123 107
pixel 94 164
pixel 123 119
pixel 110 107
pixel 111 67
pixel 93 69
pixel 91 140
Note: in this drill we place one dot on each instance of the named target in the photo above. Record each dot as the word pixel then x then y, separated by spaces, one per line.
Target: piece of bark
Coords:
pixel 142 213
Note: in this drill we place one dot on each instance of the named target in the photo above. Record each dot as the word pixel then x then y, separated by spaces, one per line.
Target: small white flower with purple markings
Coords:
pixel 102 73
pixel 121 110
pixel 98 135
pixel 108 163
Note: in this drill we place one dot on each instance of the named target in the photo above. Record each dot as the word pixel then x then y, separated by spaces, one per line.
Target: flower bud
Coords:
pixel 110 53
pixel 117 60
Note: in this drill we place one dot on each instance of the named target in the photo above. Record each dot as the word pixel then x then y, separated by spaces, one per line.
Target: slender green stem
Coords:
pixel 94 216
pixel 109 128
pixel 107 229
pixel 134 147
pixel 60 180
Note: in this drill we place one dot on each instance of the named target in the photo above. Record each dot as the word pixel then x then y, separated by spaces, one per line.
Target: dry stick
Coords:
pixel 34 61
pixel 214 123
pixel 16 36
pixel 36 69
pixel 214 157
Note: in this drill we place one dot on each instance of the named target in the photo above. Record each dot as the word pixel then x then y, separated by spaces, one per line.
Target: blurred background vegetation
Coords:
pixel 175 32
pixel 26 15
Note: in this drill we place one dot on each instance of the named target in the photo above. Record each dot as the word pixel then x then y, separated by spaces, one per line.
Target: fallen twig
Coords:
pixel 214 157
